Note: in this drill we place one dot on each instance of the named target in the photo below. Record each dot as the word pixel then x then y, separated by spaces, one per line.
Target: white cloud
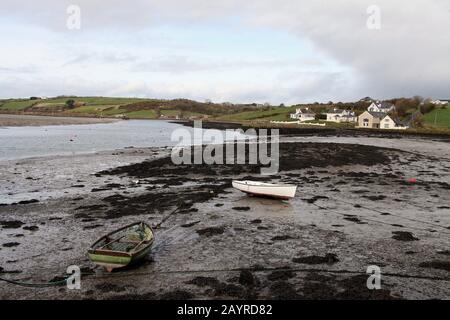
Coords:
pixel 407 56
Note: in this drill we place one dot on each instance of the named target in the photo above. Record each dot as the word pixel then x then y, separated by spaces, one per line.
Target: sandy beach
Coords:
pixel 15 120
pixel 354 208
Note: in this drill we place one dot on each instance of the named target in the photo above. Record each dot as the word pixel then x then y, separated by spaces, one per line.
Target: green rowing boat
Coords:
pixel 122 247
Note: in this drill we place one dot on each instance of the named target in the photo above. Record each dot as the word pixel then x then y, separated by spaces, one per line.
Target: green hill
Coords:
pixel 133 108
pixel 139 108
pixel 277 114
pixel 439 118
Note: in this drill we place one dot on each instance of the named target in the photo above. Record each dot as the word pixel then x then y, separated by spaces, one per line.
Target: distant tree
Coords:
pixel 158 113
pixel 418 99
pixel 403 105
pixel 417 121
pixel 34 98
pixel 70 103
pixel 427 107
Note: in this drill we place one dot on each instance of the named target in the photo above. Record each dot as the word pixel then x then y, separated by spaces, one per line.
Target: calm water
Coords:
pixel 24 142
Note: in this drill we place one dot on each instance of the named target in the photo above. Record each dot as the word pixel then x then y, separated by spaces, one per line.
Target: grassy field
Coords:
pixel 22 104
pixel 142 114
pixel 134 108
pixel 440 118
pixel 17 105
pixel 277 114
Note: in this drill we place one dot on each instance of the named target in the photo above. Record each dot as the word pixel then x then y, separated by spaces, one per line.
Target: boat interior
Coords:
pixel 125 240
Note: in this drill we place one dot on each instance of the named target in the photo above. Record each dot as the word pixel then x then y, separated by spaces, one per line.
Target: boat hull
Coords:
pixel 101 252
pixel 284 192
pixel 111 261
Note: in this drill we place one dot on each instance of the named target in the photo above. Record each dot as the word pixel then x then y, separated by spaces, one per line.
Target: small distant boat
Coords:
pixel 122 247
pixel 280 191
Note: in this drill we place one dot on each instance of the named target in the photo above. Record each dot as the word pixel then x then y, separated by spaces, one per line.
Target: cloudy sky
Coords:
pixel 277 51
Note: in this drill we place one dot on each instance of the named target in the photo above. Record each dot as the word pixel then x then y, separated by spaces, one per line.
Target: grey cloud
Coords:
pixel 30 69
pixel 182 64
pixel 104 57
pixel 407 56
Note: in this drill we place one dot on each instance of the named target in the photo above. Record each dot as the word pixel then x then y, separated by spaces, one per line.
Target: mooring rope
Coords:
pixel 258 270
pixel 377 211
pixel 164 219
pixel 42 284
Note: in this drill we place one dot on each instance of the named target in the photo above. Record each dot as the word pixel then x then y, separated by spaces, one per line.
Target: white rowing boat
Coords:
pixel 281 191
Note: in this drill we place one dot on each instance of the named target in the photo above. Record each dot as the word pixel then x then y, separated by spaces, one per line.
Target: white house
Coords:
pixel 389 122
pixel 303 115
pixel 338 115
pixel 440 102
pixel 381 107
pixel 370 119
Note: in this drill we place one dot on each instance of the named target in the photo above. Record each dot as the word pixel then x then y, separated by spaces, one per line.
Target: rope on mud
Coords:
pixel 36 285
pixel 259 270
pixel 378 211
pixel 42 284
pixel 262 269
pixel 369 219
pixel 158 225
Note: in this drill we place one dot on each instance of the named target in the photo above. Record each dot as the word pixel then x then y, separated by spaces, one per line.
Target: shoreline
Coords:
pixel 16 120
pixel 308 131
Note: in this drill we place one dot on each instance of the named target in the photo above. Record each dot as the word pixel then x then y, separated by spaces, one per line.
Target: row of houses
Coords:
pixel 378 116
pixel 336 115
pixel 440 102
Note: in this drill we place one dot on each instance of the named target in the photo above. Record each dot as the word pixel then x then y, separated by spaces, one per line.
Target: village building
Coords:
pixel 384 107
pixel 370 119
pixel 303 114
pixel 441 102
pixel 338 115
pixel 393 123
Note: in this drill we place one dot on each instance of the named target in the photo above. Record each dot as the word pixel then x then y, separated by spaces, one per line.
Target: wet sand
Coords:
pixel 354 208
pixel 14 120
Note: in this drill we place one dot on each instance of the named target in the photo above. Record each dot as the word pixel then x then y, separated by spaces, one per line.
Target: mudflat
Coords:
pixel 354 208
pixel 14 120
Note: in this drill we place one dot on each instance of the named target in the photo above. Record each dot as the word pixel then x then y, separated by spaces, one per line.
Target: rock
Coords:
pixel 211 231
pixel 241 208
pixel 279 275
pixel 31 228
pixel 436 264
pixel 204 281
pixel 28 201
pixel 281 238
pixel 11 244
pixel 403 236
pixel 12 224
pixel 246 278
